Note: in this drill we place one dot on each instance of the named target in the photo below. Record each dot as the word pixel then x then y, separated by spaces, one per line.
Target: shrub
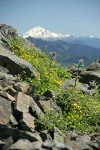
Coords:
pixel 82 111
pixel 52 119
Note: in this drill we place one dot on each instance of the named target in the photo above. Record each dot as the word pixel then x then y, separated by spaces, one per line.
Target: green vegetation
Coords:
pixel 82 111
pixel 79 111
pixel 52 119
pixel 49 73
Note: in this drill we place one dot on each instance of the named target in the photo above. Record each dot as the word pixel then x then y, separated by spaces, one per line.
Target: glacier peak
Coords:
pixel 39 32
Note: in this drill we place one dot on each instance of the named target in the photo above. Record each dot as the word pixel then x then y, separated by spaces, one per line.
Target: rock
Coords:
pixel 21 86
pixel 13 63
pixel 35 109
pixel 37 145
pixel 27 122
pixel 22 144
pixel 9 97
pixel 62 146
pixel 98 141
pixel 22 102
pixel 6 89
pixel 7 31
pixel 79 86
pixel 68 82
pixel 2 143
pixel 6 132
pixel 3 94
pixel 10 80
pixel 3 69
pixel 92 73
pixel 84 138
pixel 5 111
pixel 95 66
pixel 44 105
pixel 13 120
pixel 55 107
pixel 7 92
pixel 10 90
pixel 24 87
pixel 8 143
pixel 89 76
pixel 48 94
pixel 95 145
pixel 82 142
pixel 37 136
pixel 58 135
pixel 7 77
pixel 72 135
pixel 48 145
pixel 43 135
pixel 81 146
pixel 1 88
pixel 84 88
pixel 68 141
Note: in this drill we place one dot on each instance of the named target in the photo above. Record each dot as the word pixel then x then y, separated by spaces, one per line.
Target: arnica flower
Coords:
pixel 76 106
pixel 58 83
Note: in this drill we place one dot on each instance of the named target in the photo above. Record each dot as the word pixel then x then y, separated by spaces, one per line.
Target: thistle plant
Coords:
pixel 80 66
pixel 52 57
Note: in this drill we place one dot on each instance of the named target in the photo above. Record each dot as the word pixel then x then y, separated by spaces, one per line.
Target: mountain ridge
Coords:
pixel 67 53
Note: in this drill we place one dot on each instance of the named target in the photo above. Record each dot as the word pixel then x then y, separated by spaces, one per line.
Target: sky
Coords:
pixel 75 17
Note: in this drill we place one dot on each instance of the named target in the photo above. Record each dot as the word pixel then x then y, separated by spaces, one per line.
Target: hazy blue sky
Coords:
pixel 76 17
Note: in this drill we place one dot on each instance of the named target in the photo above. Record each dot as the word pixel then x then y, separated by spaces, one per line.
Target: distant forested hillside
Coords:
pixel 68 53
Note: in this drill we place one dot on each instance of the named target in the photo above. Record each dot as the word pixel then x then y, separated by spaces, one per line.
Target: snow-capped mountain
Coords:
pixel 39 32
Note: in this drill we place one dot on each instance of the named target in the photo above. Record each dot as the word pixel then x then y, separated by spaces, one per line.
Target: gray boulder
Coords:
pixel 6 132
pixel 7 31
pixel 5 111
pixel 62 146
pixel 95 66
pixel 90 76
pixel 27 122
pixel 21 145
pixel 92 73
pixel 22 102
pixel 13 63
pixel 7 144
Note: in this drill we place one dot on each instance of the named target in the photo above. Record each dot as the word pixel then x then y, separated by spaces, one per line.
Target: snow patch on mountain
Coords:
pixel 93 36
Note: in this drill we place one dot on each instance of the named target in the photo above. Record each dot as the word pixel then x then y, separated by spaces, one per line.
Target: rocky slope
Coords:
pixel 20 107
